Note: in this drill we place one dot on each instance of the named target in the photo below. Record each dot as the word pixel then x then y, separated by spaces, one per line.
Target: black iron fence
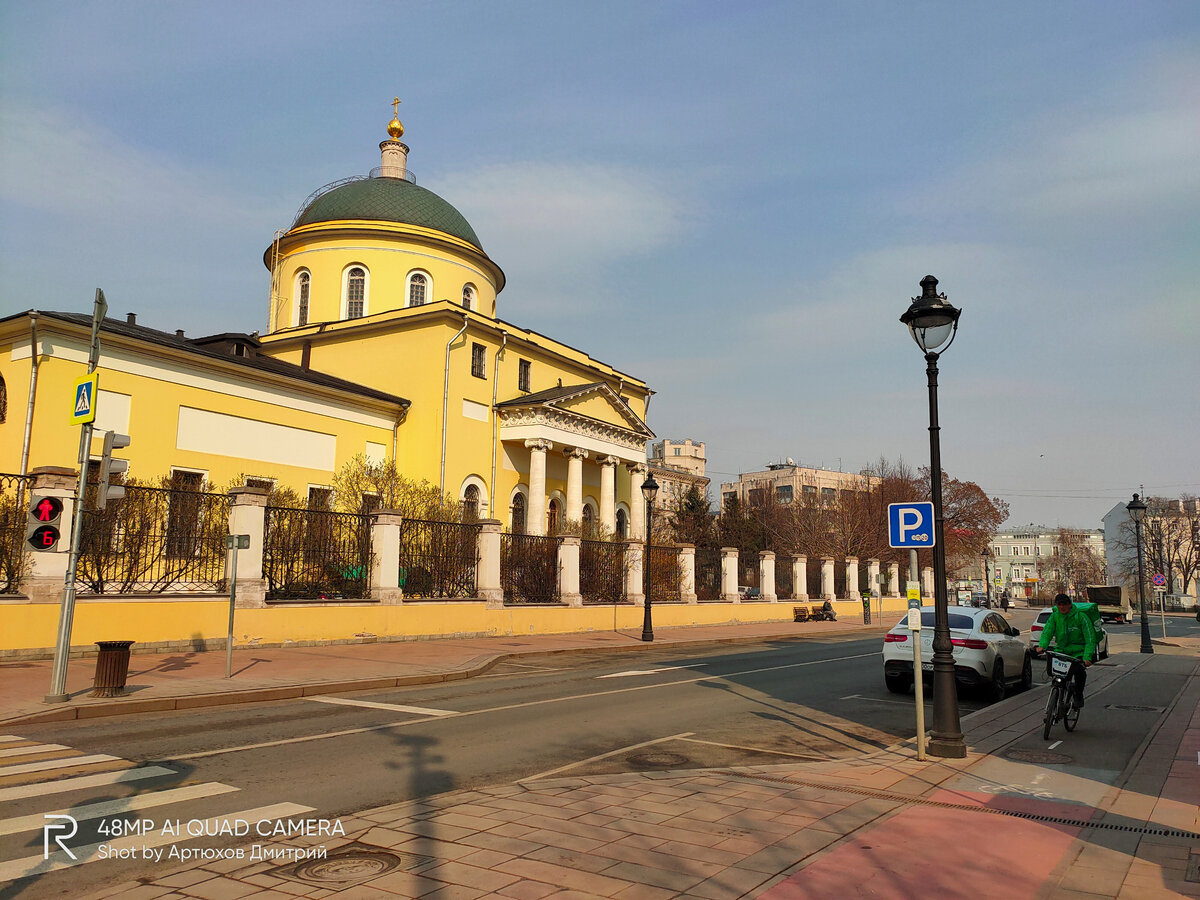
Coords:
pixel 665 574
pixel 314 554
pixel 529 568
pixel 748 569
pixel 153 540
pixel 438 559
pixel 602 571
pixel 14 498
pixel 783 577
pixel 708 574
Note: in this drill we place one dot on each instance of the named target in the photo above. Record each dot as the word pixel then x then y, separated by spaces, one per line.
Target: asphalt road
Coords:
pixel 574 713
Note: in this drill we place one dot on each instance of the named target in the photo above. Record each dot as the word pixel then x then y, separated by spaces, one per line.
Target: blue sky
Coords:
pixel 733 201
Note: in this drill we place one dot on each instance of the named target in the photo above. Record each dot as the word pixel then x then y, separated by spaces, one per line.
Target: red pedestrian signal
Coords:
pixel 40 531
pixel 47 510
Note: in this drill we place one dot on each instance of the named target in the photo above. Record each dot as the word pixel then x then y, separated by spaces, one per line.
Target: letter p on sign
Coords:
pixel 910 525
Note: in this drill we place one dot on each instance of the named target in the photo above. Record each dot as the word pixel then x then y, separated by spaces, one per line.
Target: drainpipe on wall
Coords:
pixel 496 421
pixel 446 399
pixel 33 380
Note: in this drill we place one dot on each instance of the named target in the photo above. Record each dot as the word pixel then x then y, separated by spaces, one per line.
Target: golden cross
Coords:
pixel 396 107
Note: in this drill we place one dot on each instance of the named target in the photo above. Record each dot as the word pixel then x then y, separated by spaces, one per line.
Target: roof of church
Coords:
pixel 388 200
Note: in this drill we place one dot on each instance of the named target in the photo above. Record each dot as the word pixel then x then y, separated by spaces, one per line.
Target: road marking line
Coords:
pixel 632 672
pixel 692 740
pixel 928 700
pixel 477 712
pixel 45 788
pixel 394 707
pixel 116 807
pixel 1055 744
pixel 35 865
pixel 32 748
pixel 63 762
pixel 583 762
pixel 9 738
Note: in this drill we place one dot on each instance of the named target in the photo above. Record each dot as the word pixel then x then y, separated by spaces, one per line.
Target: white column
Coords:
pixel 608 493
pixel 927 582
pixel 827 578
pixel 729 573
pixel 637 501
pixel 766 576
pixel 873 577
pixel 487 574
pixel 568 571
pixel 894 578
pixel 800 578
pixel 247 515
pixel 687 569
pixel 385 547
pixel 852 578
pixel 537 485
pixel 635 581
pixel 575 457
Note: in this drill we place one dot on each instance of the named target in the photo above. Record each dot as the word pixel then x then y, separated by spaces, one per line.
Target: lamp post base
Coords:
pixel 947 746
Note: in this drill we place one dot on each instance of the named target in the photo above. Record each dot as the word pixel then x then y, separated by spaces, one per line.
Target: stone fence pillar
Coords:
pixel 487 573
pixel 385 550
pixel 729 575
pixel 766 576
pixel 47 574
pixel 927 582
pixel 800 578
pixel 247 515
pixel 687 573
pixel 873 578
pixel 827 578
pixel 852 592
pixel 635 584
pixel 894 578
pixel 568 571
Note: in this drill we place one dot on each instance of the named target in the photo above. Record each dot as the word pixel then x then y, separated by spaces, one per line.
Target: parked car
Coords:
pixel 988 652
pixel 746 592
pixel 1039 625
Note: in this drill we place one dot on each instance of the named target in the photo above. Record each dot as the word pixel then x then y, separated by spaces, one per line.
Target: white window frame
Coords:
pixel 470 297
pixel 366 311
pixel 484 504
pixel 523 491
pixel 408 287
pixel 296 293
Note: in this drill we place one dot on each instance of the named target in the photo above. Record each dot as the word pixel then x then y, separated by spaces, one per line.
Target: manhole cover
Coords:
pixel 1041 757
pixel 349 865
pixel 1132 708
pixel 657 759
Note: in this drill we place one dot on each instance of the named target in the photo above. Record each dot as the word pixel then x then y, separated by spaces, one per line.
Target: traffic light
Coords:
pixel 110 467
pixel 41 530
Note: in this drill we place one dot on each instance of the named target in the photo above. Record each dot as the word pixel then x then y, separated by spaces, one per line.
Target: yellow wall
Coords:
pixel 29 626
pixel 389 252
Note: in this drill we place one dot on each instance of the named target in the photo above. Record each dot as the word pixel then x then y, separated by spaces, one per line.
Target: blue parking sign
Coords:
pixel 910 525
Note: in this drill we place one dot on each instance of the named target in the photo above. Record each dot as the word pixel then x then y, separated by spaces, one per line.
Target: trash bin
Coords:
pixel 112 668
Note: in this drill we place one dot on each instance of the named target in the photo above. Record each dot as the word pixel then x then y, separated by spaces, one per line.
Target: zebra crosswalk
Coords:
pixel 47 800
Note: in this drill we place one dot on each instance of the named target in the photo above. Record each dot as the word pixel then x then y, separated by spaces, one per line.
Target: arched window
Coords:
pixel 518 514
pixel 418 288
pixel 468 297
pixel 589 521
pixel 470 503
pixel 622 525
pixel 356 292
pixel 552 518
pixel 303 281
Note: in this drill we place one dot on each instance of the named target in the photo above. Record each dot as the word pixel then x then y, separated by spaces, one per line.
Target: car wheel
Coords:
pixel 997 689
pixel 1104 652
pixel 898 684
pixel 1027 673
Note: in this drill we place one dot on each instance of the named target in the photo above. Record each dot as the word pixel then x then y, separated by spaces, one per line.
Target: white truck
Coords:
pixel 1112 601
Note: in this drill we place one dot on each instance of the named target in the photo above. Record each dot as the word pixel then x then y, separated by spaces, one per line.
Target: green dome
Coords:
pixel 388 200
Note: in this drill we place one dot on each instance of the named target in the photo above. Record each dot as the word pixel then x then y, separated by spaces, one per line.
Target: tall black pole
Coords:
pixel 1147 646
pixel 946 737
pixel 647 626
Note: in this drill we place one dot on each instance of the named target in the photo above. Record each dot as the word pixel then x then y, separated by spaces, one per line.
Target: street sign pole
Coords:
pixel 233 543
pixel 66 617
pixel 918 671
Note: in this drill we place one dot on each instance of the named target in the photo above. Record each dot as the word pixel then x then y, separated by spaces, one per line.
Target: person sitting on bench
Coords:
pixel 827 611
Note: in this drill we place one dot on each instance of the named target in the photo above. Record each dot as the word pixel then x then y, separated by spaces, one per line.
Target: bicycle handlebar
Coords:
pixel 1065 656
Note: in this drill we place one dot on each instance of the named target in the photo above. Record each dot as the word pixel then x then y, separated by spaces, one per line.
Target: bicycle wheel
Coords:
pixel 1051 709
pixel 1071 716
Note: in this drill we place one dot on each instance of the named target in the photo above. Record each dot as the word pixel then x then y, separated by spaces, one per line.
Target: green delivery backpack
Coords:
pixel 1092 611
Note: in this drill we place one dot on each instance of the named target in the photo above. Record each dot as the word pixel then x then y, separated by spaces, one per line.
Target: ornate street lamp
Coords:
pixel 933 323
pixel 987 578
pixel 1137 512
pixel 649 491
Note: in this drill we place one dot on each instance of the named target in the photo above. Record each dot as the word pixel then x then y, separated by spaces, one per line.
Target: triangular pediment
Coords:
pixel 595 401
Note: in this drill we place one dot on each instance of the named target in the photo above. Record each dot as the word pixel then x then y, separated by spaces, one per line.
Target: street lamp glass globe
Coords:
pixel 931 320
pixel 650 489
pixel 1137 509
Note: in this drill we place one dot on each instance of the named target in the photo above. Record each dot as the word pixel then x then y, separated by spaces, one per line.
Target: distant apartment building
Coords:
pixel 677 466
pixel 788 482
pixel 1025 557
pixel 1175 521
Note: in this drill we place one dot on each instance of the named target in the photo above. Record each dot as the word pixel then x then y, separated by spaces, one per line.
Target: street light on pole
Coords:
pixel 649 491
pixel 1137 512
pixel 933 323
pixel 987 578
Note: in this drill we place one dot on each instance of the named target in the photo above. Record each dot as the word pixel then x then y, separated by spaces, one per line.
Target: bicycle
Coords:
pixel 1058 705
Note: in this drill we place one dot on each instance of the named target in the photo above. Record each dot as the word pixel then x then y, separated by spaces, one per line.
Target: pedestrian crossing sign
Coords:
pixel 83 403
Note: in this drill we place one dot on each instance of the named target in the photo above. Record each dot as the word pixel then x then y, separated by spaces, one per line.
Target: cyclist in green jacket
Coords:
pixel 1074 635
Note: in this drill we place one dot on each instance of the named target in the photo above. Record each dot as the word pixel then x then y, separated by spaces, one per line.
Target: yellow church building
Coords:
pixel 384 340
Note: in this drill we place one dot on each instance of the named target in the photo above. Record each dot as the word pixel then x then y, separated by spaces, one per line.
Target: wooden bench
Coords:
pixel 814 613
